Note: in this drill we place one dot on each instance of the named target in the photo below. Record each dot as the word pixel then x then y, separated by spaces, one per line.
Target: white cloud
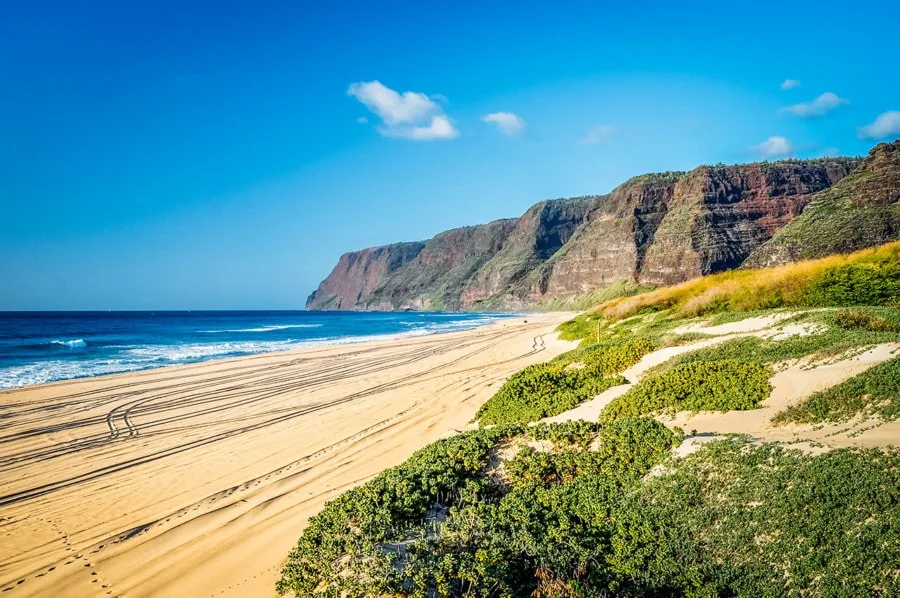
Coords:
pixel 508 123
pixel 598 134
pixel 820 106
pixel 774 147
pixel 440 127
pixel 790 84
pixel 362 120
pixel 886 125
pixel 409 115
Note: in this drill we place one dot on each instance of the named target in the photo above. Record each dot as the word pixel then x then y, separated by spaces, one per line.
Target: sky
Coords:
pixel 223 155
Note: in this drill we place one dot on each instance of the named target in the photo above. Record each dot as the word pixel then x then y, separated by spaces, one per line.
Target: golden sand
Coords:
pixel 195 481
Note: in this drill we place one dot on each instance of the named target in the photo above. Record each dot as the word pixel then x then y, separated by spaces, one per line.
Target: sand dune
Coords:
pixel 791 384
pixel 196 480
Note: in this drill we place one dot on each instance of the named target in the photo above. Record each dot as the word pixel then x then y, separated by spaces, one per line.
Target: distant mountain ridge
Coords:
pixel 654 229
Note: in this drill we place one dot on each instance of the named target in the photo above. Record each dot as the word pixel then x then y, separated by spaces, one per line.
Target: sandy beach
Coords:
pixel 196 480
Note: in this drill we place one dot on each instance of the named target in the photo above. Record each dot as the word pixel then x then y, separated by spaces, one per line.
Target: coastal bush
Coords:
pixel 856 284
pixel 466 532
pixel 721 385
pixel 607 358
pixel 885 321
pixel 548 389
pixel 875 392
pixel 834 333
pixel 543 390
pixel 735 519
pixel 580 327
pixel 343 547
pixel 570 510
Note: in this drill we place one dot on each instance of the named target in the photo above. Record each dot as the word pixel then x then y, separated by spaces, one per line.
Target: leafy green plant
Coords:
pixel 722 385
pixel 735 519
pixel 460 533
pixel 491 514
pixel 886 321
pixel 608 358
pixel 547 389
pixel 835 333
pixel 866 283
pixel 541 391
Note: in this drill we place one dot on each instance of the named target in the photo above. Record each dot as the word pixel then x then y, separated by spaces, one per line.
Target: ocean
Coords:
pixel 40 347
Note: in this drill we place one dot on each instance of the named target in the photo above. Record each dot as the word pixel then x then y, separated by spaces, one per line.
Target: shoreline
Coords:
pixel 299 345
pixel 196 480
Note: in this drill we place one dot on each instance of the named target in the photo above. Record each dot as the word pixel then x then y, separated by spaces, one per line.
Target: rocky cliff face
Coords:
pixel 654 229
pixel 861 210
pixel 718 215
pixel 358 273
pixel 541 232
pixel 447 263
pixel 612 243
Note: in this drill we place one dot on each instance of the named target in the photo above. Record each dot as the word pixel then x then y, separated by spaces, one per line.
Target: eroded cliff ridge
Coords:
pixel 653 229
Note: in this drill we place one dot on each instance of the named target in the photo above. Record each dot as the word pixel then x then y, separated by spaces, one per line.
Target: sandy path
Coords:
pixel 197 480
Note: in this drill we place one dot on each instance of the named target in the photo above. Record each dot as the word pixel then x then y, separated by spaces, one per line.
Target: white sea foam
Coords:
pixel 50 371
pixel 72 343
pixel 264 328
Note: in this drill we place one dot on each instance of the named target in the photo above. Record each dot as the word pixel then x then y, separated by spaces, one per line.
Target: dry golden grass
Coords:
pixel 744 290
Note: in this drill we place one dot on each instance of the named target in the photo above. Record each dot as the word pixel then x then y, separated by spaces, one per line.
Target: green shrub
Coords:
pixel 873 392
pixel 723 385
pixel 608 358
pixel 343 546
pixel 740 520
pixel 466 535
pixel 840 332
pixel 580 327
pixel 582 517
pixel 865 319
pixel 548 389
pixel 541 391
pixel 868 283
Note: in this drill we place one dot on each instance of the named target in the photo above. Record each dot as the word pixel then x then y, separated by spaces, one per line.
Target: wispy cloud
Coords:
pixel 598 134
pixel 774 147
pixel 790 84
pixel 507 123
pixel 886 125
pixel 408 115
pixel 820 106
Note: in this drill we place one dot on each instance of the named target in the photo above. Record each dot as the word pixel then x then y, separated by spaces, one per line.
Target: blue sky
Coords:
pixel 223 155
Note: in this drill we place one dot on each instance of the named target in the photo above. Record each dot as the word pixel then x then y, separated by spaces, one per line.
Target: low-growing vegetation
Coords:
pixel 541 391
pixel 867 277
pixel 834 334
pixel 570 510
pixel 547 389
pixel 875 392
pixel 720 385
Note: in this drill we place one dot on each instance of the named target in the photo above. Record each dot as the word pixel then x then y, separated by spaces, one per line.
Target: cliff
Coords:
pixel 654 229
pixel 358 272
pixel 860 211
